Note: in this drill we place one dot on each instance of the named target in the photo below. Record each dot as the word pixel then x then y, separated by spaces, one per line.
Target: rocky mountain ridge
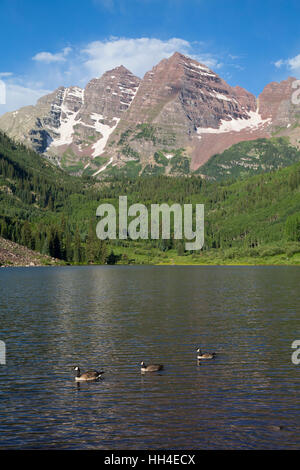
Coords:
pixel 172 121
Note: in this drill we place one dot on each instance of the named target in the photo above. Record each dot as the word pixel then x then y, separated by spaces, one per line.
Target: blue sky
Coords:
pixel 48 43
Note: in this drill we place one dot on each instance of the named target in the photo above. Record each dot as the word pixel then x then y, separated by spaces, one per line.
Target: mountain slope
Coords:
pixel 251 157
pixel 178 100
pixel 44 208
pixel 181 113
pixel 30 184
pixel 13 254
pixel 71 125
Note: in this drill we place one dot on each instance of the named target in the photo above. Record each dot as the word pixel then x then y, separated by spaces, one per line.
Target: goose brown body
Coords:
pixel 201 355
pixel 151 367
pixel 88 375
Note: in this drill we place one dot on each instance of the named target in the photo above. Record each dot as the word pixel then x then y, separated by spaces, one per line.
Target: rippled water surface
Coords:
pixel 113 317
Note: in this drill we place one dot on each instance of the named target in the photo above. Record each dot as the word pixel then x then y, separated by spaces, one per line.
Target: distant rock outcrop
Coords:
pixel 12 254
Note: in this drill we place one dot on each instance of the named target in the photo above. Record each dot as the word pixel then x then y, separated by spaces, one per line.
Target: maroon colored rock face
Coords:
pixel 179 104
pixel 109 96
pixel 212 144
pixel 72 125
pixel 182 84
pixel 276 101
pixel 86 123
pixel 186 104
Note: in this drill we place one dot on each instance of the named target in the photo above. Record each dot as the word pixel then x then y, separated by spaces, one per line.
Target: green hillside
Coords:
pixel 252 157
pixel 251 220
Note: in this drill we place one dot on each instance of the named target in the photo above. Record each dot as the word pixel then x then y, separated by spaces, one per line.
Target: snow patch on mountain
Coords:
pixel 254 122
pixel 199 70
pixel 77 92
pixel 68 118
pixel 66 129
pixel 105 130
pixel 221 96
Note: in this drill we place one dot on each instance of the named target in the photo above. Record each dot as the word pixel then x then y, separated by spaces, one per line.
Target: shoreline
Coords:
pixel 15 255
pixel 241 264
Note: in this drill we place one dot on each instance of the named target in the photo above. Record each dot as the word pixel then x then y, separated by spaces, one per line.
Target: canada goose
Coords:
pixel 89 375
pixel 151 367
pixel 205 355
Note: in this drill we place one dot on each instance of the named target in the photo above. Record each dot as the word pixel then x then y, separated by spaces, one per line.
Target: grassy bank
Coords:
pixel 269 255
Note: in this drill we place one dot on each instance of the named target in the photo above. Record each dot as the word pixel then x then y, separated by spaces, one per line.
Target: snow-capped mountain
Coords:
pixel 72 125
pixel 179 109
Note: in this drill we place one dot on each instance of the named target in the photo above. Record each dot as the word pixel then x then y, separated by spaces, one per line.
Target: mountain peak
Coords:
pixel 179 104
pixel 178 55
pixel 119 70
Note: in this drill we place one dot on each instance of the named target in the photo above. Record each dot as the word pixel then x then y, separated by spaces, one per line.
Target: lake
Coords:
pixel 53 319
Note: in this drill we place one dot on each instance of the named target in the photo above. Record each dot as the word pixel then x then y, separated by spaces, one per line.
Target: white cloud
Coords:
pixel 138 55
pixel 48 57
pixel 5 74
pixel 292 64
pixel 77 65
pixel 279 63
pixel 18 96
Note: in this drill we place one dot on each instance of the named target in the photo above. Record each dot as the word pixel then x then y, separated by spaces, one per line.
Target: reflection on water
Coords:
pixel 113 318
